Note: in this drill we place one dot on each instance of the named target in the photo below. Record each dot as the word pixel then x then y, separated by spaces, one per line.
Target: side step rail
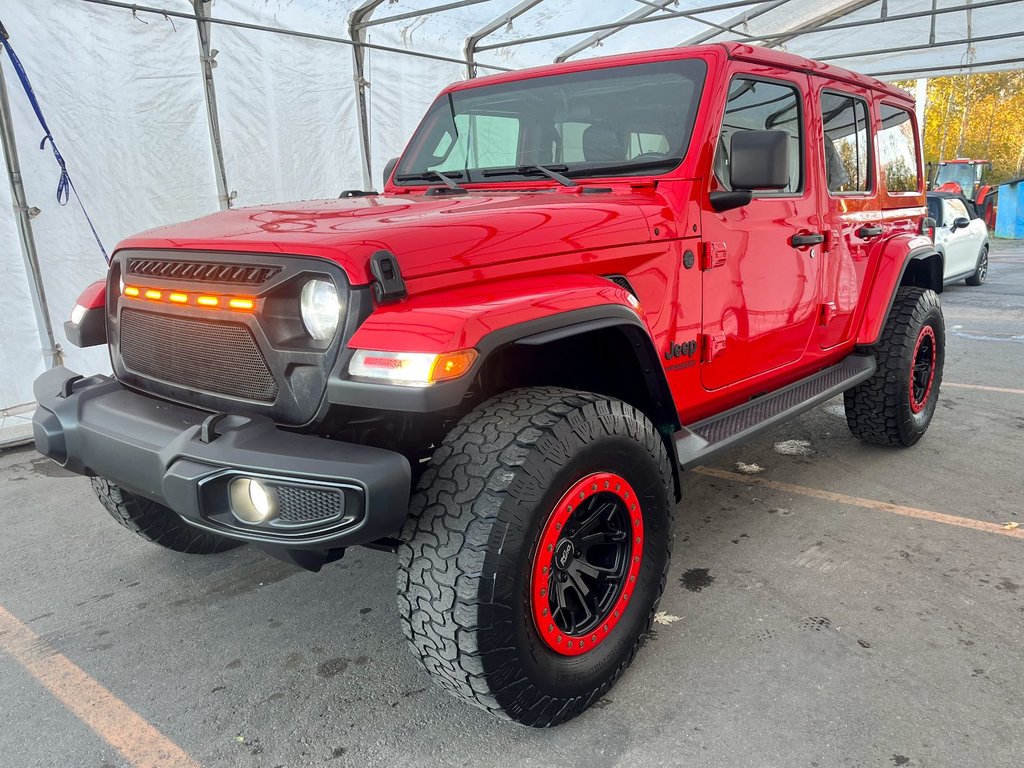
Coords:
pixel 698 442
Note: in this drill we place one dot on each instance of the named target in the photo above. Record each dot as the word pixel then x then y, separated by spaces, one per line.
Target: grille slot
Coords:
pixel 303 506
pixel 202 271
pixel 208 355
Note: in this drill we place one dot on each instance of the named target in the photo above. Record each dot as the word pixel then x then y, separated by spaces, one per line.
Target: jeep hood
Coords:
pixel 429 235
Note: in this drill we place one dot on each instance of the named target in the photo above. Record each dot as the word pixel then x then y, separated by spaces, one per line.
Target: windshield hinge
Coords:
pixel 388 285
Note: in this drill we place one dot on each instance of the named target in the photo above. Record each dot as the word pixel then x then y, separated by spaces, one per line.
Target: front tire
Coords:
pixel 156 523
pixel 981 271
pixel 896 405
pixel 532 497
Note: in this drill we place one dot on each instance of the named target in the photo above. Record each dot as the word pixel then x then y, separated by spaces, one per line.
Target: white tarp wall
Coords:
pixel 124 101
pixel 124 97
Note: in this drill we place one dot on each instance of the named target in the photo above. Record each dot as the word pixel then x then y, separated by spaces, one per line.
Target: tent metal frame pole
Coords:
pixel 821 19
pixel 649 9
pixel 169 14
pixel 786 34
pixel 884 19
pixel 614 24
pixel 922 46
pixel 415 14
pixel 24 214
pixel 202 9
pixel 735 21
pixel 470 46
pixel 953 69
pixel 357 31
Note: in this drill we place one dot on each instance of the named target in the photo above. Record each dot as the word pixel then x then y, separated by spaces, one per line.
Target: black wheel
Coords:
pixel 156 523
pixel 895 406
pixel 536 552
pixel 981 271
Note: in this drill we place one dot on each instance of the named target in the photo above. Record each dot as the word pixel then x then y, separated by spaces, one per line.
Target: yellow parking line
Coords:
pixel 109 717
pixel 1005 390
pixel 882 506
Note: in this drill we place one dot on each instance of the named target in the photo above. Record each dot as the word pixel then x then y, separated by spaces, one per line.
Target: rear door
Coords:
pixel 849 202
pixel 760 292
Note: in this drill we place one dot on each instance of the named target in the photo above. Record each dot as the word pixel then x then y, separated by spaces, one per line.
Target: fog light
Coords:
pixel 252 501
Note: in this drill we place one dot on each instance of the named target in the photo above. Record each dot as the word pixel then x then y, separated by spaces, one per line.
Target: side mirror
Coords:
pixel 960 222
pixel 389 168
pixel 759 160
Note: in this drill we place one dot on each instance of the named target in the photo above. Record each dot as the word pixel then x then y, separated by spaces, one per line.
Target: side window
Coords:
pixel 897 150
pixel 935 210
pixel 847 158
pixel 483 141
pixel 758 105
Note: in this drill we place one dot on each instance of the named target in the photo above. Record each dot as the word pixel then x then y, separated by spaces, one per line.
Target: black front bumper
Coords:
pixel 185 458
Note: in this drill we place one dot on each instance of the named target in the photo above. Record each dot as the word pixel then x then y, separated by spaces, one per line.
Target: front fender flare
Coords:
pixel 486 317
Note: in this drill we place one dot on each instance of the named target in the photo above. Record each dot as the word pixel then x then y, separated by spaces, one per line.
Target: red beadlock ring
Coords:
pixel 552 542
pixel 922 372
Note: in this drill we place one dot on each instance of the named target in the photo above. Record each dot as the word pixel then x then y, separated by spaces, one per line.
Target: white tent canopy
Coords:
pixel 170 110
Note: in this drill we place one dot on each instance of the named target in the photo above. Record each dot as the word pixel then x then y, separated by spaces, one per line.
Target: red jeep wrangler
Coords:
pixel 578 281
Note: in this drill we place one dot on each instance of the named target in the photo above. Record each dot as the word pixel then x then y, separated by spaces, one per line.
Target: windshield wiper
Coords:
pixel 448 179
pixel 551 171
pixel 646 165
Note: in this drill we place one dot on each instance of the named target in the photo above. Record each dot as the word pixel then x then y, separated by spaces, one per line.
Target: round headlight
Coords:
pixel 321 309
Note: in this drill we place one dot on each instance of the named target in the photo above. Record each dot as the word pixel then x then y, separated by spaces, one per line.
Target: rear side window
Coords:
pixel 758 105
pixel 847 148
pixel 897 150
pixel 935 210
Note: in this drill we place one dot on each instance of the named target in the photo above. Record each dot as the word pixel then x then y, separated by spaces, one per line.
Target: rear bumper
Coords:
pixel 185 459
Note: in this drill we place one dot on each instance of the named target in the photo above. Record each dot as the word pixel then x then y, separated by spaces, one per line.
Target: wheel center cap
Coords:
pixel 564 554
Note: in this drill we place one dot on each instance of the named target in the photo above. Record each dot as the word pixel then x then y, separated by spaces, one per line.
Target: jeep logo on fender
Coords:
pixel 686 349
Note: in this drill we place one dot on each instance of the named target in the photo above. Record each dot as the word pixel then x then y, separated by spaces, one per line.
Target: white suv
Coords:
pixel 961 237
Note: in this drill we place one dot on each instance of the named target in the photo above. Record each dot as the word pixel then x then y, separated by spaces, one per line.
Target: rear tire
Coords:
pixel 896 405
pixel 486 586
pixel 981 271
pixel 156 523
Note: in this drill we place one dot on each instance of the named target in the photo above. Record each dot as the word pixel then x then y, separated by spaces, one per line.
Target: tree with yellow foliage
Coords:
pixel 979 116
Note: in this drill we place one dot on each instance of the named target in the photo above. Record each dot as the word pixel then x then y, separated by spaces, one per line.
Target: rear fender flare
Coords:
pixel 920 264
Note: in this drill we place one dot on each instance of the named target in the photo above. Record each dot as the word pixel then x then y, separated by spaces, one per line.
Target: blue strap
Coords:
pixel 65 187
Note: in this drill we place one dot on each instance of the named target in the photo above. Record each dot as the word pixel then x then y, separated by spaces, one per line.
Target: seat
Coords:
pixel 602 144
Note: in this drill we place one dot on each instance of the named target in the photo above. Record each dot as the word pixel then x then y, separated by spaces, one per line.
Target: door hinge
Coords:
pixel 713 255
pixel 826 312
pixel 711 345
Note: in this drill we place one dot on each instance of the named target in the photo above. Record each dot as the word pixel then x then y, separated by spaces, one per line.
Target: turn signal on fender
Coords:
pixel 411 369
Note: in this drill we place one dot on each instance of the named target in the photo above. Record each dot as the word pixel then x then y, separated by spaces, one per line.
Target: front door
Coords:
pixel 760 261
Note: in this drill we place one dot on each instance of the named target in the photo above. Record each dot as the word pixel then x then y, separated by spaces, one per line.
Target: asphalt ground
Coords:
pixel 820 612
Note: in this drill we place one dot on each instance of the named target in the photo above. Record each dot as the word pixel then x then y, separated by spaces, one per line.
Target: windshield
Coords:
pixel 962 173
pixel 624 120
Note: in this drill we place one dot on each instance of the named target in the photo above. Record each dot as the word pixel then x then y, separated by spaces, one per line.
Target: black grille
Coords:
pixel 202 271
pixel 206 355
pixel 297 505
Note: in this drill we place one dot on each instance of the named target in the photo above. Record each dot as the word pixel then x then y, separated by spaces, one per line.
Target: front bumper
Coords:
pixel 185 458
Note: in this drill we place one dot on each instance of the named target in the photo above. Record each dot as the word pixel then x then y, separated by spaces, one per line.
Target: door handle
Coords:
pixel 806 239
pixel 866 233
